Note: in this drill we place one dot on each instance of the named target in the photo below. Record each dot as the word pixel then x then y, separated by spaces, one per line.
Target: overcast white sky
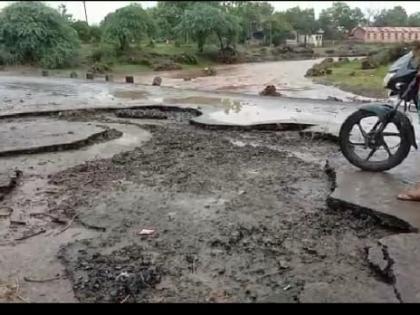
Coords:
pixel 97 10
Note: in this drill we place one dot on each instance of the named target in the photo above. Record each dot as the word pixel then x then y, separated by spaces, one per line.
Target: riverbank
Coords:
pixel 169 57
pixel 352 78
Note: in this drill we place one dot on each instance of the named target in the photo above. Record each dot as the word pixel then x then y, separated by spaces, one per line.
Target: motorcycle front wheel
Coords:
pixel 374 152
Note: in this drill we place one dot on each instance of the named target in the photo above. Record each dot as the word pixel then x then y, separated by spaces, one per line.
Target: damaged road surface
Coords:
pixel 233 223
pixel 123 204
pixel 230 215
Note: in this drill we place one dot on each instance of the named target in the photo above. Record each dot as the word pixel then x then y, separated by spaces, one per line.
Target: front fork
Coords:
pixel 386 113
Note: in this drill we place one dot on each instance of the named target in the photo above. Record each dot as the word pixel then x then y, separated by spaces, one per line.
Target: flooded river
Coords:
pixel 251 78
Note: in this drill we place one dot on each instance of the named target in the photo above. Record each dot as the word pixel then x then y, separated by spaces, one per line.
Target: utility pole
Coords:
pixel 271 33
pixel 84 6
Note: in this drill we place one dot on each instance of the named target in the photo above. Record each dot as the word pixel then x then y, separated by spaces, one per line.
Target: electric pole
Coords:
pixel 84 6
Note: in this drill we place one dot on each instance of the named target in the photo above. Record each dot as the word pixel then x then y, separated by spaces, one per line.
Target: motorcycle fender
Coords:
pixel 381 110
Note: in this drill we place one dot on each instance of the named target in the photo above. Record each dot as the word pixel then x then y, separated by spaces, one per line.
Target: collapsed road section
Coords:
pixel 230 216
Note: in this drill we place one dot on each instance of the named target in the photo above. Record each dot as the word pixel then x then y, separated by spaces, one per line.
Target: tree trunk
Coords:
pixel 221 41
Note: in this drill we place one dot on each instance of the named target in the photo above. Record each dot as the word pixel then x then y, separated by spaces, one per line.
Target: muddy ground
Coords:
pixel 238 217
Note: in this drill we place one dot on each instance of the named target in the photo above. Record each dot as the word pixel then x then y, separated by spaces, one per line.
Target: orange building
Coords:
pixel 385 34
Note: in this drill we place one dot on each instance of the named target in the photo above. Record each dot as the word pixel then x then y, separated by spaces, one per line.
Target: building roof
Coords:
pixel 388 29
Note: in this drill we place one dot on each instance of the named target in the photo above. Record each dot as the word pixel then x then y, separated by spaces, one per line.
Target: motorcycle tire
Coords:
pixel 400 121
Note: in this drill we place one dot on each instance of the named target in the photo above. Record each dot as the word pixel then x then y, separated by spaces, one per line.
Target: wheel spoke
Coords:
pixel 374 127
pixel 385 145
pixel 361 130
pixel 370 154
pixel 391 134
pixel 357 144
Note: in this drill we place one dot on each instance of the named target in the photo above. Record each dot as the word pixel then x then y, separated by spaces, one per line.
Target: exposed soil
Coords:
pixel 237 217
pixel 179 116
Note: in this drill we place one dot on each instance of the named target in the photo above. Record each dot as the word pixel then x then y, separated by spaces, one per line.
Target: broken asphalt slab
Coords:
pixel 376 193
pixel 44 135
pixel 8 181
pixel 397 259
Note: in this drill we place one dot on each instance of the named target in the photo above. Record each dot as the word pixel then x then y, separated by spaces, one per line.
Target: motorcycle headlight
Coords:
pixel 388 77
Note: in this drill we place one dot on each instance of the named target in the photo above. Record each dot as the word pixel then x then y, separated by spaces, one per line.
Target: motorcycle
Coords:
pixel 379 136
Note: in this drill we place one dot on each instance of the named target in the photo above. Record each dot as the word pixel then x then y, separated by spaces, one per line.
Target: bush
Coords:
pixel 279 51
pixel 6 57
pixel 167 66
pixel 145 62
pixel 95 34
pixel 385 56
pixel 34 33
pixel 263 50
pixel 186 59
pixel 58 58
pixel 102 53
pixel 100 67
pixel 367 64
pixel 343 60
pixel 82 29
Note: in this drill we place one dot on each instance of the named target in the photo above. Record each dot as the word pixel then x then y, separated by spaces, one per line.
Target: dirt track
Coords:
pixel 233 223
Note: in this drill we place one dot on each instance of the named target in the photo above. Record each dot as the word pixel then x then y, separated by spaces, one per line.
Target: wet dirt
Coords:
pixel 238 216
pixel 171 114
pixel 236 223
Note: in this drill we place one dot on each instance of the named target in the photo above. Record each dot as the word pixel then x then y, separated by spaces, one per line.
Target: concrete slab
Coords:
pixel 38 135
pixel 397 258
pixel 321 292
pixel 8 180
pixel 376 192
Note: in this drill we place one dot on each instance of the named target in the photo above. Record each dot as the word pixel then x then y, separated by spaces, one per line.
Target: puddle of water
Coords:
pixel 229 105
pixel 264 114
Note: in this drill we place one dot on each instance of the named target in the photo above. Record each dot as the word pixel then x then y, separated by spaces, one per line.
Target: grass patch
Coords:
pixel 351 49
pixel 350 77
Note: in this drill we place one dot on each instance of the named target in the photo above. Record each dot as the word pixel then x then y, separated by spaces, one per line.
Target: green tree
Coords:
pixel 83 30
pixel 202 20
pixel 252 16
pixel 340 19
pixel 95 33
pixel 277 28
pixel 393 17
pixel 32 32
pixel 414 19
pixel 62 9
pixel 168 14
pixel 127 25
pixel 302 21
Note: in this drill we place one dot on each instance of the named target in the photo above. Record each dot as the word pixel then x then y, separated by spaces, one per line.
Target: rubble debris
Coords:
pixel 157 81
pixel 146 232
pixel 5 212
pixel 270 90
